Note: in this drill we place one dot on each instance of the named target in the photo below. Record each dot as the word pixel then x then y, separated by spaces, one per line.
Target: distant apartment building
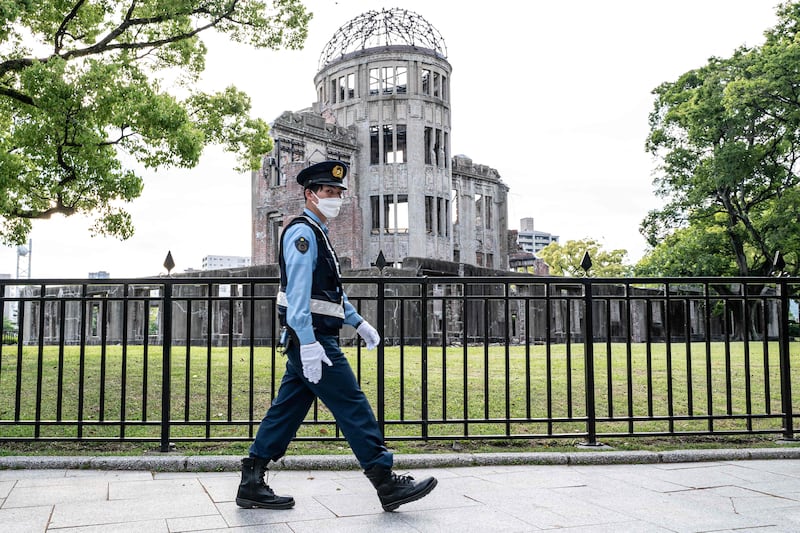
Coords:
pixel 217 262
pixel 530 240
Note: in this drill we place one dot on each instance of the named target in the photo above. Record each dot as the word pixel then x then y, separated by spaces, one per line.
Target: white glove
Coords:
pixel 369 334
pixel 312 356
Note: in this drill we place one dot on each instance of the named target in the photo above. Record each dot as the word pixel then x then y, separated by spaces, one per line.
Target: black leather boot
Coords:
pixel 394 490
pixel 254 492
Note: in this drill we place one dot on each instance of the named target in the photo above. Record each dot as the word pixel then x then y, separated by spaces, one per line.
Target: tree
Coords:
pixel 83 84
pixel 727 137
pixel 566 260
pixel 692 251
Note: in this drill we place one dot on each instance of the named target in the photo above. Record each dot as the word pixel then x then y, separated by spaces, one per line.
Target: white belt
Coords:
pixel 317 307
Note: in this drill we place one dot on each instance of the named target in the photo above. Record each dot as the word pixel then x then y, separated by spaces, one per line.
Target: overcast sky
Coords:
pixel 553 94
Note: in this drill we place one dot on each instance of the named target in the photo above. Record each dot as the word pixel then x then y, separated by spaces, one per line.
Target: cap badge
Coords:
pixel 338 171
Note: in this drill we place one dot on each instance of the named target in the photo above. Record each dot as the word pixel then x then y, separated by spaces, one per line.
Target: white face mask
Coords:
pixel 329 207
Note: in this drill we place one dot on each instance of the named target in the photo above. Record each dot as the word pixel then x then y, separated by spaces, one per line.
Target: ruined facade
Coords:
pixel 383 107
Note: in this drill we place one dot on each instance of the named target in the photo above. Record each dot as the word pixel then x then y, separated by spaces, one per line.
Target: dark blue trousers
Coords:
pixel 339 391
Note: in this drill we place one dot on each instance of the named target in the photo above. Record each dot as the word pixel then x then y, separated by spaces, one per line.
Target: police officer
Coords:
pixel 312 306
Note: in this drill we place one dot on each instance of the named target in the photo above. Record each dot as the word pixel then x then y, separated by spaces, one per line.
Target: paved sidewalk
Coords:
pixel 721 490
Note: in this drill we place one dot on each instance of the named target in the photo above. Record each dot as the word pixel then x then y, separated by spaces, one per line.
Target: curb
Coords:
pixel 228 463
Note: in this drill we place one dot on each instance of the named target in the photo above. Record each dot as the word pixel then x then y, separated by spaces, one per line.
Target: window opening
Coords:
pixel 351 85
pixel 388 80
pixel 426 82
pixel 374 151
pixel 437 147
pixel 440 220
pixel 428 147
pixel 429 225
pixel 445 153
pixel 444 223
pixel 395 211
pixel 95 319
pixel 275 227
pixel 394 143
pixel 374 81
pixel 375 212
pixel 295 149
pixel 387 143
pixel 401 79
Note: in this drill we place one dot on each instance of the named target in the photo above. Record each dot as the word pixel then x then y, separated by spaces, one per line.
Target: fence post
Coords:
pixel 381 325
pixel 424 356
pixel 588 348
pixel 786 375
pixel 166 367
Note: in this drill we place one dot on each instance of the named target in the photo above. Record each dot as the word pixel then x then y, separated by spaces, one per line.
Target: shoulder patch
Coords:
pixel 301 244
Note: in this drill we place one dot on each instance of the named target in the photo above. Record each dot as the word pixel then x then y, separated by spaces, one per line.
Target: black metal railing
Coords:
pixel 196 359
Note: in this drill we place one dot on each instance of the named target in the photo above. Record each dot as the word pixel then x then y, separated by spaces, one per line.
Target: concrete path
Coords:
pixel 721 490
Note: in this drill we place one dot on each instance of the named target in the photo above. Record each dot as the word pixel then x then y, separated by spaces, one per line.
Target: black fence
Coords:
pixel 515 357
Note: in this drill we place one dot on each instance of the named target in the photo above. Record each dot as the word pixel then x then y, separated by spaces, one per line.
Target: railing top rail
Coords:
pixel 420 280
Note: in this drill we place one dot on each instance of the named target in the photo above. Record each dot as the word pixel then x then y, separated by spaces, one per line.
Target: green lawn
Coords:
pixel 117 392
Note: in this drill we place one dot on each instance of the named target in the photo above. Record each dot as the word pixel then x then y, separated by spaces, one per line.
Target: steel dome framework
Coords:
pixel 387 27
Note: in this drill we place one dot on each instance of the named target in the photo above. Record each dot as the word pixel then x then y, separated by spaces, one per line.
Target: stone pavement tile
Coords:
pixel 785 489
pixel 740 500
pixel 143 526
pixel 223 489
pixel 676 511
pixel 696 475
pixel 155 489
pixel 784 519
pixel 785 467
pixel 551 508
pixel 383 522
pixel 196 523
pixel 478 519
pixel 296 488
pixel 305 508
pixel 545 477
pixel 637 526
pixel 112 475
pixel 442 497
pixel 636 475
pixel 15 474
pixel 305 483
pixel 264 528
pixel 759 472
pixel 192 475
pixel 50 494
pixel 118 511
pixel 25 519
pixel 5 488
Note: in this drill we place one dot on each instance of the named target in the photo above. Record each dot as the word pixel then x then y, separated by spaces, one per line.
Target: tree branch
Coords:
pixel 104 44
pixel 58 39
pixel 16 95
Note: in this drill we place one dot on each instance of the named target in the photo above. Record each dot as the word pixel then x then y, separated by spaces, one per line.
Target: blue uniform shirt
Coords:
pixel 299 273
